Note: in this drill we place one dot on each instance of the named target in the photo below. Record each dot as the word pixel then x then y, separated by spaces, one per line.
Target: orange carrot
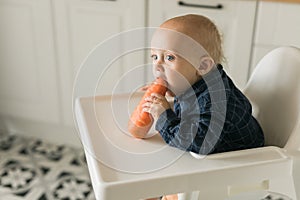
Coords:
pixel 140 122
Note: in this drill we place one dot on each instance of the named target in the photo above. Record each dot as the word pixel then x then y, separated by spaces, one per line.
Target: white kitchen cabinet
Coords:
pixel 277 25
pixel 42 44
pixel 28 73
pixel 80 25
pixel 235 19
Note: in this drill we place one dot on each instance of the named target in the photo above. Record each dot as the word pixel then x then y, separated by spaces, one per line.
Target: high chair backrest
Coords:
pixel 274 90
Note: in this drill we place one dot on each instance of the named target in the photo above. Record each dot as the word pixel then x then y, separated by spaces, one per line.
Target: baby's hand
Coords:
pixel 156 104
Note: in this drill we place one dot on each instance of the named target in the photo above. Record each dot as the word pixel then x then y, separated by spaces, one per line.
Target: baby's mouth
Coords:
pixel 169 91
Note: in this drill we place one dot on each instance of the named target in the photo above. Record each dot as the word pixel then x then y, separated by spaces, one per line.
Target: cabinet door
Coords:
pixel 235 20
pixel 277 25
pixel 83 24
pixel 28 81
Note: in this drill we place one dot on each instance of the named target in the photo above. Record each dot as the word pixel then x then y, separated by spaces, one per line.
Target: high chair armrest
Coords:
pixel 189 174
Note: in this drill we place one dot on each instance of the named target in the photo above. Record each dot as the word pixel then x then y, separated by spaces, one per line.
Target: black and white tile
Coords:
pixel 32 169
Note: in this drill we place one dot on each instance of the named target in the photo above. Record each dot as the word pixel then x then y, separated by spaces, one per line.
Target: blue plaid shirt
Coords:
pixel 210 117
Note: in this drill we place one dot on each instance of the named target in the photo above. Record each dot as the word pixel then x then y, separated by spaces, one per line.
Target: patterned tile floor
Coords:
pixel 32 169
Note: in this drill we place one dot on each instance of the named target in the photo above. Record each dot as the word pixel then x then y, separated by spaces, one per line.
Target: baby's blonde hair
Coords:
pixel 201 29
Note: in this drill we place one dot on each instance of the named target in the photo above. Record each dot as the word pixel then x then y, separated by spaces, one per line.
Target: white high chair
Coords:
pixel 129 169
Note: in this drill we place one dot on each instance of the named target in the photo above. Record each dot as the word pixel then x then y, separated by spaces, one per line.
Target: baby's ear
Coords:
pixel 206 64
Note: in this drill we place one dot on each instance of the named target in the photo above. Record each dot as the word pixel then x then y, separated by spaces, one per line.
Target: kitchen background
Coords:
pixel 44 42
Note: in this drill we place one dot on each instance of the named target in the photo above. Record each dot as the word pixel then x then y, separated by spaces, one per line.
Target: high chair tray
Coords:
pixel 122 167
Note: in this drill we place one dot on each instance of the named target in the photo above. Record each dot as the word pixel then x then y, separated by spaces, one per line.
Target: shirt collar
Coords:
pixel 200 86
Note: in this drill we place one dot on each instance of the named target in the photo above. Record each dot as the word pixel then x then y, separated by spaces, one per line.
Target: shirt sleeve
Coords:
pixel 185 133
pixel 167 122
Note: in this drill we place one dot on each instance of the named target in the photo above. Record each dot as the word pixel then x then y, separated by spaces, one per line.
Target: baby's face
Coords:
pixel 174 56
pixel 175 70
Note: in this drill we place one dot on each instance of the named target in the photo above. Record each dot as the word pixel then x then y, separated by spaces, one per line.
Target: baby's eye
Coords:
pixel 170 57
pixel 154 57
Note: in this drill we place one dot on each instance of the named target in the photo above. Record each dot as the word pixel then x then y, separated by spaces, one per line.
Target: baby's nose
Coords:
pixel 158 70
pixel 159 67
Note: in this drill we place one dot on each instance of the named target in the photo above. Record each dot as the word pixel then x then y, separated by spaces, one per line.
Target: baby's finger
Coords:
pixel 149 99
pixel 147 105
pixel 170 93
pixel 146 109
pixel 158 96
